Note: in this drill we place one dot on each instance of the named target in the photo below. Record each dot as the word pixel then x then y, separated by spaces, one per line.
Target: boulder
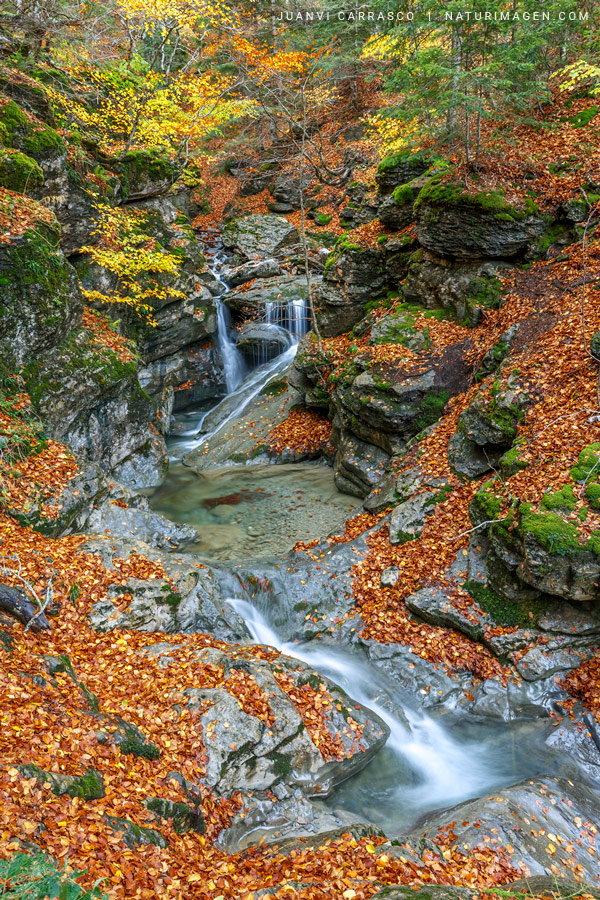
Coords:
pixel 145 173
pixel 259 236
pixel 465 289
pixel 353 276
pixel 190 601
pixel 264 268
pixel 358 465
pixel 400 168
pixel 277 291
pixel 261 341
pixel 451 222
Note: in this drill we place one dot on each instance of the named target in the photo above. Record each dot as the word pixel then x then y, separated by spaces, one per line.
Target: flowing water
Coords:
pixel 431 761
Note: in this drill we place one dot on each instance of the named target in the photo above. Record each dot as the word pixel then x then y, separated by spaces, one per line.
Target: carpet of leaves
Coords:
pixel 304 431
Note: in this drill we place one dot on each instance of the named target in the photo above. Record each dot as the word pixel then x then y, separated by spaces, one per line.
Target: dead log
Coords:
pixel 18 605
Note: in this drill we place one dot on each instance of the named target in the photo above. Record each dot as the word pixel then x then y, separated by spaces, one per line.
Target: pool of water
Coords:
pixel 247 512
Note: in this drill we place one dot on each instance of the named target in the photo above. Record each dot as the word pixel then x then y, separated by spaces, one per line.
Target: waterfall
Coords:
pixel 426 766
pixel 233 361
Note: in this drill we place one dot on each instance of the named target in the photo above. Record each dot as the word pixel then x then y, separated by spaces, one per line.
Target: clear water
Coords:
pixel 244 512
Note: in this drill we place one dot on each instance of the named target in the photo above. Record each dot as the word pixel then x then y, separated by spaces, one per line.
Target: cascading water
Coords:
pixel 424 765
pixel 233 361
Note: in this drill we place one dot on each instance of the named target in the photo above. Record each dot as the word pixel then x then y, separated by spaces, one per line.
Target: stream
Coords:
pixel 433 760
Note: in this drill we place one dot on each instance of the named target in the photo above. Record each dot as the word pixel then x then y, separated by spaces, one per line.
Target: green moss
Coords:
pixel 184 819
pixel 87 787
pixel 588 464
pixel 592 495
pixel 404 194
pixel 12 119
pixel 485 291
pixel 134 744
pixel 274 388
pixel 551 532
pixel 19 173
pixel 486 505
pixel 322 218
pixel 282 765
pixel 39 143
pixel 563 499
pixel 505 611
pixel 583 118
pixel 430 408
pixel 136 835
pixel 403 537
pixel 448 193
pixel 417 160
pixel 170 597
pixel 511 462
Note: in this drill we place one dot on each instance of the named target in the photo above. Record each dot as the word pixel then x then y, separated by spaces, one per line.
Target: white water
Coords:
pixel 430 768
pixel 233 361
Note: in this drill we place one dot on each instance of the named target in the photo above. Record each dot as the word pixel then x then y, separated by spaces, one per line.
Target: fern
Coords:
pixel 36 877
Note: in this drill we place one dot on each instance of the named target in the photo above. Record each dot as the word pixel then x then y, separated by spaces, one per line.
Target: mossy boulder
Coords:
pixel 133 835
pixel 453 222
pixel 486 430
pixel 89 786
pixel 19 173
pixel 400 168
pixel 183 817
pixel 40 300
pixel 259 236
pixel 145 173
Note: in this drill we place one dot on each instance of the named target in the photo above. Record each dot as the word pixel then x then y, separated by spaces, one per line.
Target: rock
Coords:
pixel 278 291
pixel 451 222
pixel 145 173
pixel 358 466
pixel 399 328
pixel 505 820
pixel 20 173
pixel 408 518
pixel 182 816
pixel 41 299
pixel 264 268
pixel 91 400
pixel 399 169
pixel 135 835
pixel 467 289
pixel 396 211
pixel 353 276
pixel 89 786
pixel 261 341
pixel 193 602
pixel 486 430
pixel 259 236
pixel 433 605
pixel 281 751
pixel 559 655
pixel 390 576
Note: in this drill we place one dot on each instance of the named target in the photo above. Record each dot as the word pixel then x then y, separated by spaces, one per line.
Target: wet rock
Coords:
pixel 558 655
pixel 279 291
pixel 261 341
pixel 264 268
pixel 358 465
pixel 192 602
pixel 436 607
pixel 505 820
pixel 259 236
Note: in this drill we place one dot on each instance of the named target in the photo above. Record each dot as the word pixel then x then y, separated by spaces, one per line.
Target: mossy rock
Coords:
pixel 583 118
pixel 20 173
pixel 183 817
pixel 449 193
pixel 509 612
pixel 40 301
pixel 564 499
pixel 400 168
pixel 588 464
pixel 145 173
pixel 134 836
pixel 89 786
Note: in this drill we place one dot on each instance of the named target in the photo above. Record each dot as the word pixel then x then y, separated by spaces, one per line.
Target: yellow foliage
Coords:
pixel 580 72
pixel 136 260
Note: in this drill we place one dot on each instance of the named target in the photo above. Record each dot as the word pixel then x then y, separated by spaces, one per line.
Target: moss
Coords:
pixel 593 544
pixel 135 744
pixel 12 119
pixel 511 462
pixel 282 765
pixel 274 388
pixel 404 194
pixel 430 408
pixel 563 499
pixel 588 464
pixel 416 160
pixel 322 218
pixel 486 505
pixel 403 537
pixel 592 495
pixel 184 819
pixel 449 193
pixel 136 835
pixel 542 244
pixel 583 118
pixel 551 532
pixel 486 292
pixel 504 610
pixel 39 143
pixel 89 786
pixel 19 173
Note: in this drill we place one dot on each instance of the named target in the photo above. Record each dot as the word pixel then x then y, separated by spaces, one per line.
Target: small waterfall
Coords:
pixel 427 767
pixel 233 361
pixel 298 318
